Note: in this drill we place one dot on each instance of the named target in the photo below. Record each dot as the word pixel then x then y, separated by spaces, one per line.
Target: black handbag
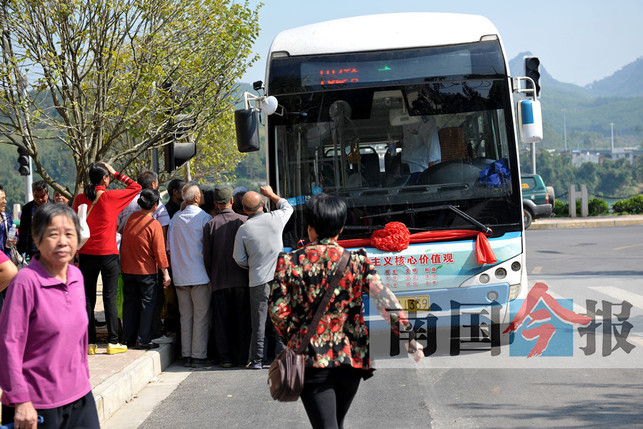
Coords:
pixel 286 373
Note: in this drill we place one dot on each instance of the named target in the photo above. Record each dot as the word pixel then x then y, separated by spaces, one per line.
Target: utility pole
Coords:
pixel 565 127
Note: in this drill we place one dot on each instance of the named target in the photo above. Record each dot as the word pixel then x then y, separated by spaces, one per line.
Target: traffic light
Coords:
pixel 181 147
pixel 177 154
pixel 23 162
pixel 532 70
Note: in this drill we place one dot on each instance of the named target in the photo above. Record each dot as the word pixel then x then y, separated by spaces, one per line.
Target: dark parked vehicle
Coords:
pixel 537 199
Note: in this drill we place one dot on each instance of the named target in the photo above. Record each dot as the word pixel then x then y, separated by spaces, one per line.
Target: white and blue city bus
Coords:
pixel 351 95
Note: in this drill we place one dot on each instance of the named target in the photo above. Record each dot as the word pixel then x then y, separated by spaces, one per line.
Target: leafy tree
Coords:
pixel 613 176
pixel 122 77
pixel 588 173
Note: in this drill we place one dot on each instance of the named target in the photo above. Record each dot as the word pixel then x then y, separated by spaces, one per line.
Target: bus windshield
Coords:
pixel 401 149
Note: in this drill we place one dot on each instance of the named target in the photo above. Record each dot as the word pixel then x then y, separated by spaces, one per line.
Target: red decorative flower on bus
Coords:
pixel 394 237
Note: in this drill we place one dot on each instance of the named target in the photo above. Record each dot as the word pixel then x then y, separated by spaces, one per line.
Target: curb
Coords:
pixel 589 222
pixel 121 387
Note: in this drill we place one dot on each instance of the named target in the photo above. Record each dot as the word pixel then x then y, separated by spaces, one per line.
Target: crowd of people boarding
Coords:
pixel 211 253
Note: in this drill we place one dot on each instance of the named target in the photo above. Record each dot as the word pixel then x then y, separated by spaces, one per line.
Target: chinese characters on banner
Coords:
pixel 542 324
pixel 411 271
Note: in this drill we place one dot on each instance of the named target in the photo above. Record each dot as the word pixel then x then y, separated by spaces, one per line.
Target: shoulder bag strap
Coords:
pixel 94 203
pixel 340 268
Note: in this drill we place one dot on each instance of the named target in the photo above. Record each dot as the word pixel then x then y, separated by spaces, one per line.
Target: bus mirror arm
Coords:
pixel 266 104
pixel 530 89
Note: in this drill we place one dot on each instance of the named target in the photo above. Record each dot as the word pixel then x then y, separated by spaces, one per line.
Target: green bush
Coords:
pixel 632 205
pixel 561 209
pixel 595 207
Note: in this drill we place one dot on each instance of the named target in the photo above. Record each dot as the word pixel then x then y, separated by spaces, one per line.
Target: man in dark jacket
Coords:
pixel 174 191
pixel 229 282
pixel 40 191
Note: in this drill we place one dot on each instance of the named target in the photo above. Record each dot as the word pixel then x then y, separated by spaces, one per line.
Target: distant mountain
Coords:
pixel 517 68
pixel 627 82
pixel 615 99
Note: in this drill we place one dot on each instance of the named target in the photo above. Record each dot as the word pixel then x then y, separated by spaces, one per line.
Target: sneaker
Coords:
pixel 227 365
pixel 91 349
pixel 254 365
pixel 148 346
pixel 163 340
pixel 187 362
pixel 113 349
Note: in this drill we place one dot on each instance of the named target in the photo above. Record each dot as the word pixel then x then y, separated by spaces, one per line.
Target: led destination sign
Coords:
pixel 335 74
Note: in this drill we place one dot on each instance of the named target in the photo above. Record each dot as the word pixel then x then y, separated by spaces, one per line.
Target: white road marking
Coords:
pixel 621 295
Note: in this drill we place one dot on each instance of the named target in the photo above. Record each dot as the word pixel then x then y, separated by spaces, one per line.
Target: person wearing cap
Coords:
pixel 229 282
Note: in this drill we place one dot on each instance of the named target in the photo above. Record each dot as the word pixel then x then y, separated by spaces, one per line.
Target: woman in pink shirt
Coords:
pixel 43 332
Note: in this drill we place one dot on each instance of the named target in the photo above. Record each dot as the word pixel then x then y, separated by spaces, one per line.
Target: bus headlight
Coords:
pixel 514 291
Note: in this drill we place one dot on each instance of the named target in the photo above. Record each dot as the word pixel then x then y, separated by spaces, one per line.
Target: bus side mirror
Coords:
pixel 530 120
pixel 246 122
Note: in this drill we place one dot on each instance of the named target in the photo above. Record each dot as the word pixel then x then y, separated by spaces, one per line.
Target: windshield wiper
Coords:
pixel 454 209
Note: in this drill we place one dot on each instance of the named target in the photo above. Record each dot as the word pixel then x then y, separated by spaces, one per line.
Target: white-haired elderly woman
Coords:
pixel 43 332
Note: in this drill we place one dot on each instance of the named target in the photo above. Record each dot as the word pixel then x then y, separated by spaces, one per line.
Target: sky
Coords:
pixel 577 41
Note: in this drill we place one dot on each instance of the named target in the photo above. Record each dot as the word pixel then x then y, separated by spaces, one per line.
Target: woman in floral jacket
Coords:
pixel 338 354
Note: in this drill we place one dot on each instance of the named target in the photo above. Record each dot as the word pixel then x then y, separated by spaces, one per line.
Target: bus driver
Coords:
pixel 420 147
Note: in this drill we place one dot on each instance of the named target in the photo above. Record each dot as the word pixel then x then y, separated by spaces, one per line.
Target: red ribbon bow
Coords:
pixel 396 237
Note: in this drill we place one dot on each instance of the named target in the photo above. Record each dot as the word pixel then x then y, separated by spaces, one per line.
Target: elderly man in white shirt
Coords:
pixel 185 247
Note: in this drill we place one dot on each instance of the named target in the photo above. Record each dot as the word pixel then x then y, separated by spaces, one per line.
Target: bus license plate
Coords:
pixel 415 303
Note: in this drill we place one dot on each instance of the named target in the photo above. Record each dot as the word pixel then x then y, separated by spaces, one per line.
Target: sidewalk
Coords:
pixel 585 222
pixel 116 379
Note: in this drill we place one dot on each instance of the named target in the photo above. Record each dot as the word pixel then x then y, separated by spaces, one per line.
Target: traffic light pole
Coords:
pixel 28 182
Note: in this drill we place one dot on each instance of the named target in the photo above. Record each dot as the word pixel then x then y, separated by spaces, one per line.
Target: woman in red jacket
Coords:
pixel 100 253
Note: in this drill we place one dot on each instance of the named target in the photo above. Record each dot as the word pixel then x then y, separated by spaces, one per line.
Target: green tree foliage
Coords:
pixel 122 77
pixel 613 176
pixel 606 179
